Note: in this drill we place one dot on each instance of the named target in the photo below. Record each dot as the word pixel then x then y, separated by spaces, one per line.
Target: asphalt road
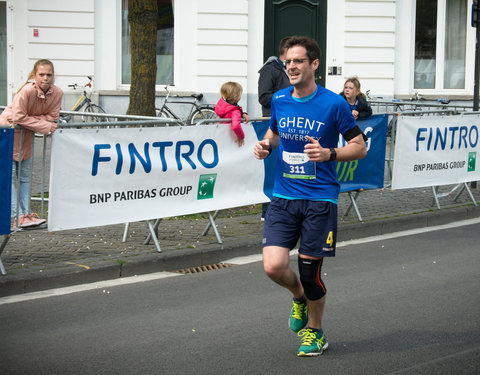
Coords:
pixel 407 305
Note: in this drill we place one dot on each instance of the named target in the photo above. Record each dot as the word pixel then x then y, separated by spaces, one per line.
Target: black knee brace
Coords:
pixel 311 278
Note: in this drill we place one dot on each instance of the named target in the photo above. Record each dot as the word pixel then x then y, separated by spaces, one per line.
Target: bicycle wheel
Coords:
pixel 93 108
pixel 164 113
pixel 202 113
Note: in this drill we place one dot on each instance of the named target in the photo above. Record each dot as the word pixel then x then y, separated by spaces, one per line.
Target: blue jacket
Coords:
pixel 363 108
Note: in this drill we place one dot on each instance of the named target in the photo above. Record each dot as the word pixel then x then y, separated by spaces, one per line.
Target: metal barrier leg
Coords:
pixel 42 190
pixel 214 227
pixel 465 186
pixel 435 196
pixel 391 151
pixel 29 209
pixel 459 193
pixel 17 177
pixel 153 234
pixel 155 227
pixel 353 204
pixel 209 225
pixel 2 268
pixel 125 232
pixel 2 247
pixel 16 192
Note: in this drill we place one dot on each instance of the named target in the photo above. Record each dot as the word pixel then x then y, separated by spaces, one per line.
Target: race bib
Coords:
pixel 297 165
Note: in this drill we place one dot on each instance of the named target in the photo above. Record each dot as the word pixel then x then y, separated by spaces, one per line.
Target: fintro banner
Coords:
pixel 436 150
pixel 110 176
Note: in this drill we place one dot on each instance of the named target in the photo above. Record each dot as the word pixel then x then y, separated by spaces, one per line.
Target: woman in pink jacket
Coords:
pixel 35 107
pixel 227 107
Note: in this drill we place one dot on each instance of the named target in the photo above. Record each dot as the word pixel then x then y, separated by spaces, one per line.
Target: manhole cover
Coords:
pixel 208 267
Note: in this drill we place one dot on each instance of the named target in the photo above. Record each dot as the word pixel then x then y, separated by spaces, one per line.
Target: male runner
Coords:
pixel 305 124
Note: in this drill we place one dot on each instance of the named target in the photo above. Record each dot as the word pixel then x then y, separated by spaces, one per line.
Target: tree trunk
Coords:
pixel 142 17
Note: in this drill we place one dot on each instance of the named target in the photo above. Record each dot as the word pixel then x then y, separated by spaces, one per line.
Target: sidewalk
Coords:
pixel 37 260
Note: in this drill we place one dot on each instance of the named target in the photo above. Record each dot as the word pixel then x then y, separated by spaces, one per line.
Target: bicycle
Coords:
pixel 84 104
pixel 197 112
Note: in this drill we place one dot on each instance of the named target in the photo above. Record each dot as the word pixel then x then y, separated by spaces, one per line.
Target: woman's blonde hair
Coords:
pixel 38 63
pixel 356 83
pixel 231 92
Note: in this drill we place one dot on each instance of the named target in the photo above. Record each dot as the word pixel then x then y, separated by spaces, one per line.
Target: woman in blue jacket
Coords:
pixel 356 99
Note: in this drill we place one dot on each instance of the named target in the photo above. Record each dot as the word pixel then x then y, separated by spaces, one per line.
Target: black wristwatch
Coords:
pixel 333 154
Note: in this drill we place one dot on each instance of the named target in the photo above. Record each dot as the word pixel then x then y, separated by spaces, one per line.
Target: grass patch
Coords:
pixel 46 194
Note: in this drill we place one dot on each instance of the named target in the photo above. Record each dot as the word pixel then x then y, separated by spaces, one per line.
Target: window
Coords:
pixel 440 44
pixel 164 43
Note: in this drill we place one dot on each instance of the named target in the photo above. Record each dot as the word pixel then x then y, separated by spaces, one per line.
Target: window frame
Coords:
pixel 440 54
pixel 119 58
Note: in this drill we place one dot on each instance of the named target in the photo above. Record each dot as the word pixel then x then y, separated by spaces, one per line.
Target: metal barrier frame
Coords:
pixel 141 121
pixel 395 105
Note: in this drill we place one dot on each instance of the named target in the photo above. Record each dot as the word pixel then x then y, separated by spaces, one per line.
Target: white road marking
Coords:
pixel 238 261
pixel 84 287
pixel 382 237
pixel 410 232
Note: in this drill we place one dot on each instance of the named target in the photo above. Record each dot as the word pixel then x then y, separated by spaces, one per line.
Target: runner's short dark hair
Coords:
pixel 311 45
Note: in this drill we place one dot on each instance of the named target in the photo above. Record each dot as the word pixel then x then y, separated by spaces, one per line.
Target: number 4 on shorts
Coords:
pixel 329 240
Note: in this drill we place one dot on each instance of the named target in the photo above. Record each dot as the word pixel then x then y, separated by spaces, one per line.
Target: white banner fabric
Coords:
pixel 110 176
pixel 436 150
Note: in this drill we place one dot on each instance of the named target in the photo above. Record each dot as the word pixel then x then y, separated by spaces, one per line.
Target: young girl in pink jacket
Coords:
pixel 35 107
pixel 227 107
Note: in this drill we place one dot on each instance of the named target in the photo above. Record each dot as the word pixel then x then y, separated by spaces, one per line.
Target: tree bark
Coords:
pixel 142 17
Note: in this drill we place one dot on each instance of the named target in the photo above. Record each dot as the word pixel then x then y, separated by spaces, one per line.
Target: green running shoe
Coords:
pixel 313 343
pixel 298 316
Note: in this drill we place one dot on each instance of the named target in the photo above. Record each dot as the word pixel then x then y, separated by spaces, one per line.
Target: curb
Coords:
pixel 33 280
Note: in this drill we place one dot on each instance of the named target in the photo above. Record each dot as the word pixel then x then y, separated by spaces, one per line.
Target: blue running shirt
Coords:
pixel 323 116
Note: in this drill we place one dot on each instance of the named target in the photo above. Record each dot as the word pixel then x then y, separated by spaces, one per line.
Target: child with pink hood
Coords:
pixel 227 107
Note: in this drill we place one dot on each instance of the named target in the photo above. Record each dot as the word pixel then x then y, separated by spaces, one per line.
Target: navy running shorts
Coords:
pixel 314 222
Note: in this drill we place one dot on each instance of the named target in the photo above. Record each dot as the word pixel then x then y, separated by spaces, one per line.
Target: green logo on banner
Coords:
pixel 472 156
pixel 206 183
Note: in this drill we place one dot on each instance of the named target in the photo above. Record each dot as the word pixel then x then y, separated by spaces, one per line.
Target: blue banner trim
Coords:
pixel 6 155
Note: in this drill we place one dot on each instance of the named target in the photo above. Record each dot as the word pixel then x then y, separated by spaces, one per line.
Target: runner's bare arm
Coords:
pixel 354 150
pixel 264 147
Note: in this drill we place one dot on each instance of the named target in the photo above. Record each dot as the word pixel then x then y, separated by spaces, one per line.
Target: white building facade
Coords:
pixel 395 47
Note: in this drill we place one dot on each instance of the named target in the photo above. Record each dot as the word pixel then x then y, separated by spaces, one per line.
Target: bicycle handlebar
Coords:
pixel 197 96
pixel 88 84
